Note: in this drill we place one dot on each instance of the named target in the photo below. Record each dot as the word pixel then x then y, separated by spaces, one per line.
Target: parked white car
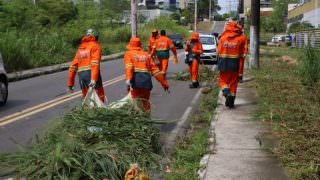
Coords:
pixel 3 83
pixel 278 38
pixel 209 45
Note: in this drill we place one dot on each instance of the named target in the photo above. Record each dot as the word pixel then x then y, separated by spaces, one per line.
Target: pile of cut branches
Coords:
pixel 89 144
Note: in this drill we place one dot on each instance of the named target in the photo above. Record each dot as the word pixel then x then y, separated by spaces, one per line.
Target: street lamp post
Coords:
pixel 133 18
pixel 195 14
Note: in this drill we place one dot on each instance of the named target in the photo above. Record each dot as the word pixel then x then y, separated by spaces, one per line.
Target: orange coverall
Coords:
pixel 230 50
pixel 139 68
pixel 245 52
pixel 87 63
pixel 161 49
pixel 194 48
pixel 152 40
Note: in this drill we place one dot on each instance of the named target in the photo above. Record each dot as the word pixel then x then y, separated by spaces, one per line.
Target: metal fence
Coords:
pixel 307 38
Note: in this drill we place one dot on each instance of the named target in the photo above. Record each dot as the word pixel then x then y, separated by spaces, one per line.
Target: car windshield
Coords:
pixel 207 40
pixel 174 36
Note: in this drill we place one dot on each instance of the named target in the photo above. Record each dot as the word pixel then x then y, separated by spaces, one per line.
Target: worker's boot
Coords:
pixel 230 101
pixel 240 79
pixel 194 85
pixel 226 92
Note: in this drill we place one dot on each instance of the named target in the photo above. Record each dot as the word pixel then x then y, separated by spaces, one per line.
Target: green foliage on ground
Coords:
pixel 292 109
pixel 50 31
pixel 186 160
pixel 89 144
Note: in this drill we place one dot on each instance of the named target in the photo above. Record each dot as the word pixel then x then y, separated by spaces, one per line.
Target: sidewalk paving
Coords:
pixel 238 154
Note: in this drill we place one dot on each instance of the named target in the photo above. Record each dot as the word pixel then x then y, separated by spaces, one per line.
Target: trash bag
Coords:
pixel 92 99
pixel 135 173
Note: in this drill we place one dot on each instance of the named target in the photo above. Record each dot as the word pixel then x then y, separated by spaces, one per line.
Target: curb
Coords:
pixel 20 75
pixel 202 172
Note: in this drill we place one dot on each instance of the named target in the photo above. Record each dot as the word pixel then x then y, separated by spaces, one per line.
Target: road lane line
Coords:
pixel 47 105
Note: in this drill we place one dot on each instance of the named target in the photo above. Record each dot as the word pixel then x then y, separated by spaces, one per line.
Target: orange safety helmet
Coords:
pixel 195 36
pixel 134 44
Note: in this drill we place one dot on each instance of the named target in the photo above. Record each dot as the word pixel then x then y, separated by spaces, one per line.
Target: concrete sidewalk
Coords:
pixel 238 154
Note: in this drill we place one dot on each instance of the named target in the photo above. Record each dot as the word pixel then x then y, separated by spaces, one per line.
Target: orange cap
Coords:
pixel 155 30
pixel 134 44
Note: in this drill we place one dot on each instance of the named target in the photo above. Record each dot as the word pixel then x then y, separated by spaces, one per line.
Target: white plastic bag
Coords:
pixel 92 99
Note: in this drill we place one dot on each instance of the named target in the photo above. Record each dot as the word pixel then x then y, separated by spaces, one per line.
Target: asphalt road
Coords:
pixel 28 99
pixel 218 26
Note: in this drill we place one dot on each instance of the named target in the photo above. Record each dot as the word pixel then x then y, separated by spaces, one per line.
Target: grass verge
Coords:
pixel 89 144
pixel 291 109
pixel 23 50
pixel 185 161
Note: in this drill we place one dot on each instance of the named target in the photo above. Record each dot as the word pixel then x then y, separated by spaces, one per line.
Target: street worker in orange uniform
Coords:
pixel 230 50
pixel 139 69
pixel 161 51
pixel 87 63
pixel 152 40
pixel 243 57
pixel 193 51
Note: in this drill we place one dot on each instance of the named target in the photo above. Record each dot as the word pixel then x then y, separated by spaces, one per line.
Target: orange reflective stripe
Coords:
pixel 229 55
pixel 140 70
pixel 73 68
pixel 129 65
pixel 84 68
pixel 154 73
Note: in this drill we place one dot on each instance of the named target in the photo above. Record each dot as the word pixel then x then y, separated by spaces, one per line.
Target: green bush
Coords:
pixel 50 31
pixel 24 50
pixel 309 69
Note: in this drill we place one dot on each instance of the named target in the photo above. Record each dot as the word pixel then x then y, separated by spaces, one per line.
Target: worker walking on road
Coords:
pixel 152 40
pixel 243 57
pixel 230 50
pixel 139 69
pixel 161 51
pixel 193 51
pixel 87 63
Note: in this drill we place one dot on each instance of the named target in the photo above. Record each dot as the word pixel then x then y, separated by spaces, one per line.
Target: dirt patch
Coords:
pixel 289 60
pixel 263 51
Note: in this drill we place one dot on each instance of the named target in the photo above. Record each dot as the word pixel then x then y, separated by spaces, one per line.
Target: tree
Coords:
pixel 55 12
pixel 203 7
pixel 299 26
pixel 16 14
pixel 276 21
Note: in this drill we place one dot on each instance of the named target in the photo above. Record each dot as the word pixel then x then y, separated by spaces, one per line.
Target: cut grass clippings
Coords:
pixel 185 161
pixel 89 144
pixel 292 110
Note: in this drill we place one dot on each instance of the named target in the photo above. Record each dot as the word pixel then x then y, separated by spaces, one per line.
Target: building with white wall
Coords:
pixel 306 10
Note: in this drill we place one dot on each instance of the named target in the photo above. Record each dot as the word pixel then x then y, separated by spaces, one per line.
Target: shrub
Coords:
pixel 310 66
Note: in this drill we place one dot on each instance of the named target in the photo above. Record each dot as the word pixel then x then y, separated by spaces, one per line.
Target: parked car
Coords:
pixel 3 83
pixel 278 38
pixel 177 40
pixel 209 45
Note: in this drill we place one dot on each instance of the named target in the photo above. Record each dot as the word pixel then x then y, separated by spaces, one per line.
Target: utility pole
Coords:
pixel 133 18
pixel 195 14
pixel 254 34
pixel 210 8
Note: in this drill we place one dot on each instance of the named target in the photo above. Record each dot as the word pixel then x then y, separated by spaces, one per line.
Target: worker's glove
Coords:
pixel 128 82
pixel 175 60
pixel 70 89
pixel 92 83
pixel 166 89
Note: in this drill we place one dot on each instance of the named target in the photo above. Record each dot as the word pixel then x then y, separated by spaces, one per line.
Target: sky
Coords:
pixel 226 5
